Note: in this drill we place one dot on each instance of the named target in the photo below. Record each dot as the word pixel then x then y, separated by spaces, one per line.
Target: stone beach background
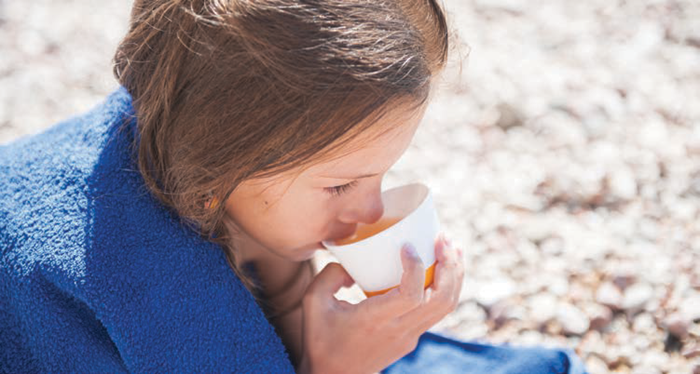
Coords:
pixel 562 147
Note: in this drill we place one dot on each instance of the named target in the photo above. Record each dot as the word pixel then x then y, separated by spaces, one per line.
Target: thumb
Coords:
pixel 330 280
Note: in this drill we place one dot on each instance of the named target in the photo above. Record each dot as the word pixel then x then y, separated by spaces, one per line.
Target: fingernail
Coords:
pixel 410 250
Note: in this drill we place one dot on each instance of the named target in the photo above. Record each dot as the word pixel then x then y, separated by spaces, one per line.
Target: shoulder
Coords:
pixel 45 194
pixel 74 201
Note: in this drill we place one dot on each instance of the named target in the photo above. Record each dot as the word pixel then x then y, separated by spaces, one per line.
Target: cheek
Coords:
pixel 302 220
pixel 315 214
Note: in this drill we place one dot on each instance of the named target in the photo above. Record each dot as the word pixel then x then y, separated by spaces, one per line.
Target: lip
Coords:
pixel 349 230
pixel 344 235
pixel 318 246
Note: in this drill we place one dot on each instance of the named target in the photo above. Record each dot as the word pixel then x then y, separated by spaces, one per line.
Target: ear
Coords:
pixel 211 203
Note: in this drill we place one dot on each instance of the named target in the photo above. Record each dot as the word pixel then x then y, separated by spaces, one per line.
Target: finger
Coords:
pixel 329 281
pixel 460 272
pixel 444 251
pixel 448 283
pixel 413 276
pixel 408 295
pixel 443 296
pixel 446 262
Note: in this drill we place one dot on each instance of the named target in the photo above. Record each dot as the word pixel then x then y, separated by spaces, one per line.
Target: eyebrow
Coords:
pixel 356 177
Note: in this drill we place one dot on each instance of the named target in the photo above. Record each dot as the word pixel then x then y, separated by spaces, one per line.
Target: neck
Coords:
pixel 246 249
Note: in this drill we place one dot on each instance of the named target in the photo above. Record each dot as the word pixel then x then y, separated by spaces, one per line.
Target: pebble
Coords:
pixel 509 116
pixel 599 315
pixel 622 184
pixel 691 351
pixel 624 279
pixel 644 324
pixel 543 307
pixel 509 5
pixel 654 361
pixel 690 308
pixel 593 343
pixel 504 311
pixel 491 292
pixel 530 338
pixel 636 297
pixel 596 365
pixel 677 325
pixel 572 320
pixel 646 370
pixel 609 295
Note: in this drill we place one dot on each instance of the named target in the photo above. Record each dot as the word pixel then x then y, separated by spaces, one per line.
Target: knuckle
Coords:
pixel 414 344
pixel 460 267
pixel 310 299
pixel 413 297
pixel 445 302
pixel 410 345
pixel 459 278
pixel 447 263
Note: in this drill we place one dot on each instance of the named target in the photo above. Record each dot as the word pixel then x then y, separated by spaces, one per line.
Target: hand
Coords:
pixel 339 337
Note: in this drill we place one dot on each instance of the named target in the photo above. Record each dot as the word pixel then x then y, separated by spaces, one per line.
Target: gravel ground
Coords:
pixel 563 148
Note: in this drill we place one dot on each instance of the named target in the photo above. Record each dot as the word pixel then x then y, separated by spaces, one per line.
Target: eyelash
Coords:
pixel 339 190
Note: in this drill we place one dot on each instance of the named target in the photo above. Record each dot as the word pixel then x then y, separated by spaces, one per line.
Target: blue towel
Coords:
pixel 97 276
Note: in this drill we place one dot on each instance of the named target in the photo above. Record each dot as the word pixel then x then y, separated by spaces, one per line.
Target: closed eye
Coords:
pixel 339 190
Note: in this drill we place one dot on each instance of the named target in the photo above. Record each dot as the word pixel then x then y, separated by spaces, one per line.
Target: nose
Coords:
pixel 374 212
pixel 367 211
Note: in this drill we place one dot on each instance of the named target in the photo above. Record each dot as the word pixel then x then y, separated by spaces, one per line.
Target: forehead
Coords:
pixel 383 142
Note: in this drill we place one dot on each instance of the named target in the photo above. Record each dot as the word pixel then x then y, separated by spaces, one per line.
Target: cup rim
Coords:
pixel 329 245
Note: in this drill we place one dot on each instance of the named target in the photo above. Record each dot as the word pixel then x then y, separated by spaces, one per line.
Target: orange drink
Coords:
pixel 365 231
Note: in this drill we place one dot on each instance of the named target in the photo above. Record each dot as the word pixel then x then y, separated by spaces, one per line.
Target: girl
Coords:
pixel 170 229
pixel 290 113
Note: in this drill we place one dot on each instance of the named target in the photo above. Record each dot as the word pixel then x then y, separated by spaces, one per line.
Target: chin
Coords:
pixel 305 256
pixel 307 252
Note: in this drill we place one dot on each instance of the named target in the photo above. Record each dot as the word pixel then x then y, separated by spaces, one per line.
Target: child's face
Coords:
pixel 291 214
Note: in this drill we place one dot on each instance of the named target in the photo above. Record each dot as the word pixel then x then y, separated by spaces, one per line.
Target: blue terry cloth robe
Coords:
pixel 97 276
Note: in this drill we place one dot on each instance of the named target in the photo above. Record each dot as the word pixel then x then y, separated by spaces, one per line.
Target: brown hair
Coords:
pixel 229 90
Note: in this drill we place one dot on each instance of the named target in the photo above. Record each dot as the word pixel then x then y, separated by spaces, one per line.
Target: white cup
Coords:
pixel 375 261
